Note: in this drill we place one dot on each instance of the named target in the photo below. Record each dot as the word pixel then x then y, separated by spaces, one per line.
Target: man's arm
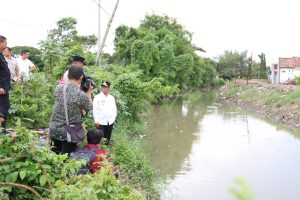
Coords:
pixel 32 67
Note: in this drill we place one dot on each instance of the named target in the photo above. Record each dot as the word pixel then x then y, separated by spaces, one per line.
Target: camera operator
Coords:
pixel 77 102
pixel 86 82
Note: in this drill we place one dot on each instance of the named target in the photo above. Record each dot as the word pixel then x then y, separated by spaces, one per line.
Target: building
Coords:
pixel 285 71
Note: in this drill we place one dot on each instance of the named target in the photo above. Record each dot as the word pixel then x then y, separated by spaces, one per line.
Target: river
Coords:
pixel 199 147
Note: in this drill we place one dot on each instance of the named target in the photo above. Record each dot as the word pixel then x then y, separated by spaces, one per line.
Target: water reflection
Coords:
pixel 200 147
pixel 172 132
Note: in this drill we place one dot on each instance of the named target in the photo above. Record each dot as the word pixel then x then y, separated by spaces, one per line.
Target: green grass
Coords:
pixel 269 96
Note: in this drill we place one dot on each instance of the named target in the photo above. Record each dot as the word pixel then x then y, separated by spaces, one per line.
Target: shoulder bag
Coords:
pixel 75 131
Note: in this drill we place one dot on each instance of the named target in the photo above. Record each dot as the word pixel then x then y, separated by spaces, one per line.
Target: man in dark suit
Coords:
pixel 4 85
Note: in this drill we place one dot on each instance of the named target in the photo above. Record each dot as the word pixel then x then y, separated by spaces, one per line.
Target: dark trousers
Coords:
pixel 4 107
pixel 63 146
pixel 107 129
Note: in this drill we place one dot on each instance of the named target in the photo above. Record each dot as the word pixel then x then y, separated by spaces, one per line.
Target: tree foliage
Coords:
pixel 64 42
pixel 25 162
pixel 163 49
pixel 232 65
pixel 263 73
pixel 32 101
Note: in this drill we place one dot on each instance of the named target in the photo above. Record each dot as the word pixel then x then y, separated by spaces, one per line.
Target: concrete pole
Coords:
pixel 106 33
pixel 99 31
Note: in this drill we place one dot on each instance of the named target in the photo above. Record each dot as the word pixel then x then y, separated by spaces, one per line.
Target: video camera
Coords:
pixel 86 83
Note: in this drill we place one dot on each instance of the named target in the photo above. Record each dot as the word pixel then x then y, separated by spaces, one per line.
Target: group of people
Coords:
pixel 11 70
pixel 71 103
pixel 20 68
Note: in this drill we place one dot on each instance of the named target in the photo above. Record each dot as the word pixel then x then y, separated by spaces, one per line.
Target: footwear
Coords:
pixel 3 131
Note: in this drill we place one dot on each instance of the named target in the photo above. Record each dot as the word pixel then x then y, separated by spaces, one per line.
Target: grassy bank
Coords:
pixel 277 102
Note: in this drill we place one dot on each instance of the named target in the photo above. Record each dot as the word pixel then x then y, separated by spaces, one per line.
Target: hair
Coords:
pixel 24 51
pixel 2 38
pixel 75 72
pixel 8 48
pixel 107 83
pixel 94 136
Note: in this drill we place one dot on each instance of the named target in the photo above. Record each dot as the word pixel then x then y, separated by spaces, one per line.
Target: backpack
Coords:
pixel 87 155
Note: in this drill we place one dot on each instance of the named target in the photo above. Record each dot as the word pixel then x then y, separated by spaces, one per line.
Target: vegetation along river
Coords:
pixel 199 147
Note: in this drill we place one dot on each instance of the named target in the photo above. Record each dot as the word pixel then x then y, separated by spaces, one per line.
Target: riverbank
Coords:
pixel 277 102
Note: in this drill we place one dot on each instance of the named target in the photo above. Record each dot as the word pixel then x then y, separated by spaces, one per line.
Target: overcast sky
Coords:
pixel 271 27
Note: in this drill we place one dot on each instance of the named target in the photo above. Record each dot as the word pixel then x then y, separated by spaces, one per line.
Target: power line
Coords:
pixel 26 25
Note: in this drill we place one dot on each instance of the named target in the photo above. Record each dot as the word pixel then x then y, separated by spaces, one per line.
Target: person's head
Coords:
pixel 94 136
pixel 25 54
pixel 105 87
pixel 78 60
pixel 3 43
pixel 7 52
pixel 75 73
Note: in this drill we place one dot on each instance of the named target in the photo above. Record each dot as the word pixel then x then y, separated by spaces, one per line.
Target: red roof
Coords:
pixel 289 62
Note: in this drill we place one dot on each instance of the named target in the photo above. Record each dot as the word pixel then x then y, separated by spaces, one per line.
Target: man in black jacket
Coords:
pixel 4 85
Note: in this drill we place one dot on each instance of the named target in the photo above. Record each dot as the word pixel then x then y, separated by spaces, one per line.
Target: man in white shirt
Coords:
pixel 12 64
pixel 25 65
pixel 105 111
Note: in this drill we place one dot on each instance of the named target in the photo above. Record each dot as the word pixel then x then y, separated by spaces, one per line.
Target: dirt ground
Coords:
pixel 289 115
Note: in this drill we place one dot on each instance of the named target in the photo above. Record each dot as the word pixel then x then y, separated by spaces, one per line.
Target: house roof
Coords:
pixel 289 62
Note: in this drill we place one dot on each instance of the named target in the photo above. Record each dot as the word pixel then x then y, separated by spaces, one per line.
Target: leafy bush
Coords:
pixel 219 81
pixel 127 154
pixel 297 79
pixel 244 192
pixel 25 162
pixel 32 101
pixel 102 185
pixel 133 94
pixel 155 91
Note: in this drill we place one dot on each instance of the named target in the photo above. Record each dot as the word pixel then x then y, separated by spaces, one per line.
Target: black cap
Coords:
pixel 79 59
pixel 105 84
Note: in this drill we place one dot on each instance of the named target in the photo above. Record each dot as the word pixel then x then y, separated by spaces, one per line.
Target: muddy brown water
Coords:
pixel 199 147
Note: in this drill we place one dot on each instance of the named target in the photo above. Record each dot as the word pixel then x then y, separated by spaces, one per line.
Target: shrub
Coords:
pixel 32 101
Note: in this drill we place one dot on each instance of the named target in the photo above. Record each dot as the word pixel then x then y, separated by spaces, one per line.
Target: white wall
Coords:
pixel 288 74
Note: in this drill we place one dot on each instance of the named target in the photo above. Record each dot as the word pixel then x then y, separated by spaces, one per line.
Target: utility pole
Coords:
pixel 99 31
pixel 106 33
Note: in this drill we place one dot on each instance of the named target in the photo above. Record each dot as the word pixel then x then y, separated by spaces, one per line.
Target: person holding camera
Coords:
pixel 105 111
pixel 76 102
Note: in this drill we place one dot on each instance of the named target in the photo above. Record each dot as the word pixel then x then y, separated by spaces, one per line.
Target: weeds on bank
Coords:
pixel 31 171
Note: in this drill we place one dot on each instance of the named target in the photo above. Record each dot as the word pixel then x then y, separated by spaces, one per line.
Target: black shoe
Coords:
pixel 3 131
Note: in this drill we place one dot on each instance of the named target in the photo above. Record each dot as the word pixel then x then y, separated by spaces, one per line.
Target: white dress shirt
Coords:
pixel 24 66
pixel 104 109
pixel 13 66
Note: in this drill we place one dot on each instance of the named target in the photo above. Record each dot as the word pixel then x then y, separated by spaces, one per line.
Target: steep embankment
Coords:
pixel 277 102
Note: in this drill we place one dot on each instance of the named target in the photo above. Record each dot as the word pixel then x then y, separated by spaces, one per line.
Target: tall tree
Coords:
pixel 232 65
pixel 161 47
pixel 63 42
pixel 263 74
